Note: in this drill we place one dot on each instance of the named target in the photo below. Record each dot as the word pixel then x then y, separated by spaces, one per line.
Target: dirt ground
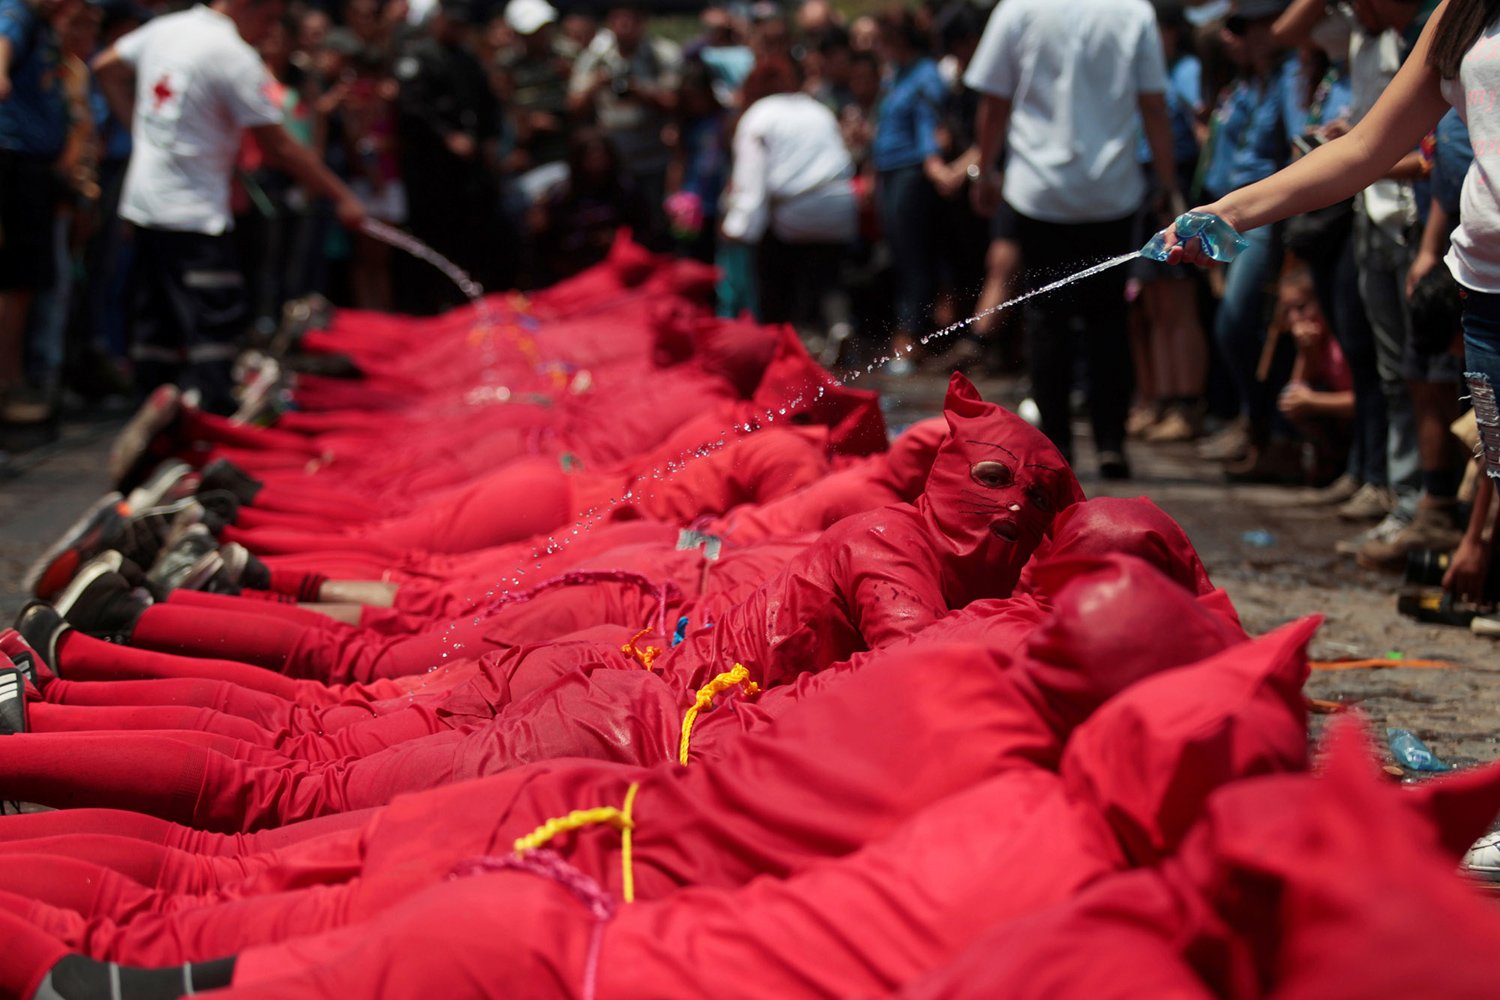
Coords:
pixel 1455 710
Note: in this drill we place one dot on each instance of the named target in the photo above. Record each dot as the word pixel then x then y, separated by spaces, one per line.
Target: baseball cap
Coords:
pixel 526 17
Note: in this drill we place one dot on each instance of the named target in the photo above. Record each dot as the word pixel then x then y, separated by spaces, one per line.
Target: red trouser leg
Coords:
pixel 164 868
pixel 85 658
pixel 312 497
pixel 152 830
pixel 268 712
pixel 247 638
pixel 29 954
pixel 249 606
pixel 85 887
pixel 47 718
pixel 281 541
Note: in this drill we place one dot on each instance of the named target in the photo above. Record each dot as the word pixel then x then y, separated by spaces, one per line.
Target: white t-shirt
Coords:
pixel 1074 71
pixel 792 174
pixel 198 85
pixel 1474 256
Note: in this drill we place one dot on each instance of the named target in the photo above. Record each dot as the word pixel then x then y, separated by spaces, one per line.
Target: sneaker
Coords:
pixel 1369 503
pixel 101 602
pixel 12 702
pixel 1389 527
pixel 263 380
pixel 1486 625
pixel 241 570
pixel 223 474
pixel 180 566
pixel 138 447
pixel 1113 465
pixel 1341 490
pixel 1435 527
pixel 1227 445
pixel 100 528
pixel 26 663
pixel 1178 424
pixel 1482 861
pixel 42 628
pixel 168 483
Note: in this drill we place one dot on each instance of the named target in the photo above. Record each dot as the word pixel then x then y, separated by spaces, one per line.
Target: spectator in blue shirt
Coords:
pixel 906 156
pixel 33 130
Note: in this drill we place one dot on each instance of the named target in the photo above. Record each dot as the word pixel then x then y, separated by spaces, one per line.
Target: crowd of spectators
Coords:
pixel 837 172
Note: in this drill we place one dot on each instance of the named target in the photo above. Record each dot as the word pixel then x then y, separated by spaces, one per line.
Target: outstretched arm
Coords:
pixel 1406 111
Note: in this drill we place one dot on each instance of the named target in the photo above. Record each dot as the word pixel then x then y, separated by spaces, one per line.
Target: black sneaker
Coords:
pixel 102 527
pixel 42 628
pixel 248 571
pixel 222 506
pixel 101 602
pixel 179 565
pixel 223 474
pixel 12 702
pixel 26 664
pixel 146 439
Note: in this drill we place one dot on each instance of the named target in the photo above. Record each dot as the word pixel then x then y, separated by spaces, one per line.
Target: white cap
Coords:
pixel 526 17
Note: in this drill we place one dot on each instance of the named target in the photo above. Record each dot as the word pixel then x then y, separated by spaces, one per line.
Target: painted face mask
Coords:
pixel 993 491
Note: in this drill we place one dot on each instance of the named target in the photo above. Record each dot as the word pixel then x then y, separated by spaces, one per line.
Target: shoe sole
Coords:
pixel 12 702
pixel 52 570
pixel 153 491
pixel 48 654
pixel 130 449
pixel 97 567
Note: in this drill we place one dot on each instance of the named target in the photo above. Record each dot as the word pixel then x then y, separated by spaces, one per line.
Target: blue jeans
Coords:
pixel 1240 327
pixel 1481 320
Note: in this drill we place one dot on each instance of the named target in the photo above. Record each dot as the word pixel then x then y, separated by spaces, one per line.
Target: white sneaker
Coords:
pixel 1482 861
pixel 1389 527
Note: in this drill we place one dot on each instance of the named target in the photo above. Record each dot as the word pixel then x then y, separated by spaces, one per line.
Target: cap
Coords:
pixel 526 17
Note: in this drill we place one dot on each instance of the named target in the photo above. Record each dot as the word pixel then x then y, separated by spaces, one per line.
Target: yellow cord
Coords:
pixel 706 694
pixel 627 843
pixel 646 656
pixel 621 819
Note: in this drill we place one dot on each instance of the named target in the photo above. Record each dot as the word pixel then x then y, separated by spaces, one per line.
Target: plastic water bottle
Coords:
pixel 1220 241
pixel 1411 753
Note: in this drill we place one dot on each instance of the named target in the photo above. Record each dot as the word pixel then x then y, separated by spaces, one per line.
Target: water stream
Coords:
pixel 485 321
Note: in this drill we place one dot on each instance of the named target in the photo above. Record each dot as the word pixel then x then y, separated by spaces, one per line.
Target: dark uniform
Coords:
pixel 453 201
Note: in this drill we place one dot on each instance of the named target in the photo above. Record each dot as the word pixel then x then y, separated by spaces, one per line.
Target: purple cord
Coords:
pixel 550 865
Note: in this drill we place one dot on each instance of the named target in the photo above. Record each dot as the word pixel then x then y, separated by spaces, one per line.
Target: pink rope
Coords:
pixel 550 865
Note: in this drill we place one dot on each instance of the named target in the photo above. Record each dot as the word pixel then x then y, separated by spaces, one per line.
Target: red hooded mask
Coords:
pixel 994 488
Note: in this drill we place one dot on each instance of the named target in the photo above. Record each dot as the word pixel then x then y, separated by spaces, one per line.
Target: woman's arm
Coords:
pixel 1408 109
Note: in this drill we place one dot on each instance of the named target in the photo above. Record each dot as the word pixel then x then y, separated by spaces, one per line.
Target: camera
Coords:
pixel 1422 596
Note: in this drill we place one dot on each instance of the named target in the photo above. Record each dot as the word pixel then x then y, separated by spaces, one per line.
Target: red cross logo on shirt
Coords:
pixel 162 91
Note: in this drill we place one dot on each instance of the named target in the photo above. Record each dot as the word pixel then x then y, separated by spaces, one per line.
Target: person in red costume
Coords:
pixel 842 769
pixel 609 711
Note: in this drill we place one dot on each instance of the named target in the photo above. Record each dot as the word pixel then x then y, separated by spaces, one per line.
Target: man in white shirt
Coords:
pixel 191 84
pixel 1066 84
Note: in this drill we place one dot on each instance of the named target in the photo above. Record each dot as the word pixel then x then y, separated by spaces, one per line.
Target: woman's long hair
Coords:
pixel 1463 22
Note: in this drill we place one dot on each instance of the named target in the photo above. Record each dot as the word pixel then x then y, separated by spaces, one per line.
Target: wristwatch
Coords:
pixel 973 171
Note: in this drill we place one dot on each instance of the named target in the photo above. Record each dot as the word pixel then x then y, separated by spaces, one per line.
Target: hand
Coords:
pixel 1190 251
pixel 1295 400
pixel 350 212
pixel 1424 263
pixel 461 145
pixel 984 193
pixel 947 181
pixel 1467 570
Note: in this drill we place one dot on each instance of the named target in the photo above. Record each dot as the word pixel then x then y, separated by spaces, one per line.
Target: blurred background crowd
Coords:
pixel 824 158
